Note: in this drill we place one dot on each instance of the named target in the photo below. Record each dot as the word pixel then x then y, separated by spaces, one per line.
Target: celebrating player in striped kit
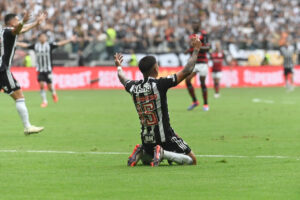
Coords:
pixel 43 51
pixel 159 141
pixel 287 51
pixel 8 38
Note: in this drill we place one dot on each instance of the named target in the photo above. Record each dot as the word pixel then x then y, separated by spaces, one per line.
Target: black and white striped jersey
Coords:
pixel 150 99
pixel 7 48
pixel 287 53
pixel 43 53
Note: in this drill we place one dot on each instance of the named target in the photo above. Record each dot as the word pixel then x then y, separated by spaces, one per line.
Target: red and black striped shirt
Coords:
pixel 203 53
pixel 217 58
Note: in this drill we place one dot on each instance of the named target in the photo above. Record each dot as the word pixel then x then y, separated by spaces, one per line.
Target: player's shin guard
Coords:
pixel 217 88
pixel 53 91
pixel 23 112
pixel 204 93
pixel 178 158
pixel 191 91
pixel 44 96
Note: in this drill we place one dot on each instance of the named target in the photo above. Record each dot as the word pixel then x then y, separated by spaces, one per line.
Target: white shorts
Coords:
pixel 201 68
pixel 217 75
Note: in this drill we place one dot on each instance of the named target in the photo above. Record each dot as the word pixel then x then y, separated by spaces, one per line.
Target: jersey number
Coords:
pixel 147 114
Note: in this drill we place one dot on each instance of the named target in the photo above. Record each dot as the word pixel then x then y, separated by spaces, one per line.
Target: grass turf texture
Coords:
pixel 106 121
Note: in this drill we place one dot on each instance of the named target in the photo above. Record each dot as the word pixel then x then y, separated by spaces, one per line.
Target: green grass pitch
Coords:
pixel 246 122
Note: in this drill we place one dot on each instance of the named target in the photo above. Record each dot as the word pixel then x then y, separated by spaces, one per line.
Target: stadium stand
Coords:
pixel 162 26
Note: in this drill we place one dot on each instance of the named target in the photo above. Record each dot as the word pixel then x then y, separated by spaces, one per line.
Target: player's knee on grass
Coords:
pixel 192 155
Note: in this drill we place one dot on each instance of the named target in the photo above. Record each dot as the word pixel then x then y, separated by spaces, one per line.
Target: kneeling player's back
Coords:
pixel 149 96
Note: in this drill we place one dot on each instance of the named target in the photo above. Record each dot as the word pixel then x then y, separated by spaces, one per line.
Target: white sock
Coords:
pixel 44 96
pixel 287 85
pixel 53 91
pixel 23 112
pixel 178 158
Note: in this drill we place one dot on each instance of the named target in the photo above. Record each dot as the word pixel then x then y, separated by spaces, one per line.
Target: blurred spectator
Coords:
pixel 27 60
pixel 163 25
pixel 111 36
pixel 133 59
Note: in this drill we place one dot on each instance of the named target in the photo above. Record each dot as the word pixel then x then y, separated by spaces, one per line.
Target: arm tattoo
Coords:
pixel 191 62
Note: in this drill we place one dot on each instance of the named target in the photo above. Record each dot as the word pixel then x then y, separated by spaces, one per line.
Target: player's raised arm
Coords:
pixel 23 44
pixel 188 69
pixel 17 29
pixel 64 42
pixel 41 17
pixel 118 63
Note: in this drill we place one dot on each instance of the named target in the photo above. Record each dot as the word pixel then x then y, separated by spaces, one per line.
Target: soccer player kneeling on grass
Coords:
pixel 159 141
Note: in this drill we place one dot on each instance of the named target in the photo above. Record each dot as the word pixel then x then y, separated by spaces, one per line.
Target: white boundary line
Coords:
pixel 257 100
pixel 127 153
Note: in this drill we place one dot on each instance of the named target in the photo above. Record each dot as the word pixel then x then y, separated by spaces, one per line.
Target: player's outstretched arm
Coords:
pixel 189 67
pixel 41 17
pixel 118 63
pixel 23 44
pixel 17 30
pixel 64 42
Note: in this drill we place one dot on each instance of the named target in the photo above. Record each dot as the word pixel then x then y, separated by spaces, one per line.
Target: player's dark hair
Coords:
pixel 8 17
pixel 146 63
pixel 42 33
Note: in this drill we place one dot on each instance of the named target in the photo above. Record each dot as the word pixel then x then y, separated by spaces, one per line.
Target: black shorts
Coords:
pixel 45 77
pixel 8 83
pixel 288 71
pixel 176 144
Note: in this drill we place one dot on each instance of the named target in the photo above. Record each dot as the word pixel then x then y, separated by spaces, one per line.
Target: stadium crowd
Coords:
pixel 164 25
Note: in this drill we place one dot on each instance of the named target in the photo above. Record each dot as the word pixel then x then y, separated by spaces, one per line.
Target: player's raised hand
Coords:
pixel 26 16
pixel 41 17
pixel 196 43
pixel 118 59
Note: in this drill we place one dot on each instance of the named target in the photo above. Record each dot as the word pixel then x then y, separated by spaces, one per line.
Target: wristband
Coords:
pixel 119 68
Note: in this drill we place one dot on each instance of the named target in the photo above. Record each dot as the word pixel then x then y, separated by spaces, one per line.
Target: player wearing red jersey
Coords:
pixel 217 58
pixel 201 67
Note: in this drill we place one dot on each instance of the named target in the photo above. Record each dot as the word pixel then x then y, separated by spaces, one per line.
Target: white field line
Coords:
pixel 128 153
pixel 257 100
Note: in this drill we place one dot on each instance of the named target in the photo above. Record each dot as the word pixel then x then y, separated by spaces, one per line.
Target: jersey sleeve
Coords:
pixel 8 34
pixel 165 83
pixel 128 85
pixel 53 45
pixel 31 47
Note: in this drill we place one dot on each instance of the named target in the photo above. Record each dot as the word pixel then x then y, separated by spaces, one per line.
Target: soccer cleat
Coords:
pixel 32 130
pixel 158 156
pixel 205 107
pixel 55 98
pixel 217 95
pixel 44 104
pixel 195 104
pixel 135 156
